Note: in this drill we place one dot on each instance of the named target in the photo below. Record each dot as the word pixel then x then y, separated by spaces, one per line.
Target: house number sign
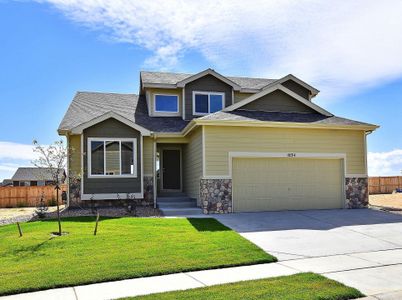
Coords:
pixel 291 154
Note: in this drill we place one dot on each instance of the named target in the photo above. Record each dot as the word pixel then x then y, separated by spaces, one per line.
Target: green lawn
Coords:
pixel 304 286
pixel 124 248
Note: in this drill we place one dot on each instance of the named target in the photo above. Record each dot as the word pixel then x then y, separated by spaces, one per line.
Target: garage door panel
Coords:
pixel 286 184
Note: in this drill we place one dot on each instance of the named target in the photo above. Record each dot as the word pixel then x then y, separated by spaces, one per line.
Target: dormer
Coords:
pixel 194 95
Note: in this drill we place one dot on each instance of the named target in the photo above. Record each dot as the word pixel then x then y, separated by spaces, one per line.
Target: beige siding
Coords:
pixel 241 96
pixel 150 92
pixel 287 184
pixel 148 151
pixel 278 101
pixel 75 154
pixel 221 140
pixel 192 165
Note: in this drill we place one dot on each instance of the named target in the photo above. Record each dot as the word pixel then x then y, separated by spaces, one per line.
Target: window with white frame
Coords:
pixel 207 102
pixel 112 157
pixel 166 103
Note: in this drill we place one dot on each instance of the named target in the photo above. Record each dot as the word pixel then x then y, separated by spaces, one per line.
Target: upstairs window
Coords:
pixel 112 157
pixel 207 102
pixel 166 103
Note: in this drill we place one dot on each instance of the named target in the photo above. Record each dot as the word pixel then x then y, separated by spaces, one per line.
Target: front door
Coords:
pixel 171 168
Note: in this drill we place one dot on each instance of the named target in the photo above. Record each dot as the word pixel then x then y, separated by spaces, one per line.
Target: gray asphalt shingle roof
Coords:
pixel 35 174
pixel 173 78
pixel 90 105
pixel 311 118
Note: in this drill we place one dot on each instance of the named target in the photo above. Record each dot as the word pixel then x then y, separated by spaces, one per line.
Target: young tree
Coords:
pixel 53 158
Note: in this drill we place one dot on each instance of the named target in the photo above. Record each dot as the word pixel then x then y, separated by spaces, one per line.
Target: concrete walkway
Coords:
pixel 377 275
pixel 157 284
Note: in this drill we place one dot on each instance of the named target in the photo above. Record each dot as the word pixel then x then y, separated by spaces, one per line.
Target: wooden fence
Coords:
pixel 24 196
pixel 384 185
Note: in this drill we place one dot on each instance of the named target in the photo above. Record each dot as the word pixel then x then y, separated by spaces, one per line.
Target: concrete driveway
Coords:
pixel 361 248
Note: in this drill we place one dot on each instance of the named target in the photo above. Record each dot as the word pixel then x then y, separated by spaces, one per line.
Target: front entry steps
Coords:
pixel 178 205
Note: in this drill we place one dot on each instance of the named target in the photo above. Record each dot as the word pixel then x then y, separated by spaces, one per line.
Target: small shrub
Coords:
pixel 52 202
pixel 41 208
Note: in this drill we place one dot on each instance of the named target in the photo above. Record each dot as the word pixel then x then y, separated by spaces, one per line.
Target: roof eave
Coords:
pixel 256 123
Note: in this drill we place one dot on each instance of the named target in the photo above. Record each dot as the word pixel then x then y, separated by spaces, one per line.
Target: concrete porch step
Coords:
pixel 170 212
pixel 178 204
pixel 173 199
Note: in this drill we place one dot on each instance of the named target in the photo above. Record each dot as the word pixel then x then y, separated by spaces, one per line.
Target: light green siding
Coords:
pixel 241 96
pixel 147 156
pixel 192 165
pixel 74 144
pixel 219 141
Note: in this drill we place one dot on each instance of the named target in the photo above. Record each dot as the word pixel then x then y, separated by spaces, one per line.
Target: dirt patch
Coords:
pixel 393 201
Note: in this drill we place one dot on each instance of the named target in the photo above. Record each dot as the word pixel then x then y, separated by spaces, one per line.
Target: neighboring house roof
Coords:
pixel 87 107
pixel 35 174
pixel 165 78
pixel 6 182
pixel 307 118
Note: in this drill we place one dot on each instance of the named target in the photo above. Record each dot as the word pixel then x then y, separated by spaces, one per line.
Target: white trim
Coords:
pixel 208 72
pixel 273 88
pixel 232 97
pixel 312 89
pixel 203 150
pixel 79 129
pixel 142 164
pixel 82 165
pixel 163 148
pixel 365 152
pixel 208 93
pixel 356 175
pixel 68 169
pixel 104 139
pixel 217 177
pixel 165 113
pixel 154 172
pixel 183 100
pixel 110 196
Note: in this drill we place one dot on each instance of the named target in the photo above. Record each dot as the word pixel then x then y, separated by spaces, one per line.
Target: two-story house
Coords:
pixel 230 144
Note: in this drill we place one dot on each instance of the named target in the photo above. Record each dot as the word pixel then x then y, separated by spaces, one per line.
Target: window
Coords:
pixel 207 102
pixel 166 103
pixel 112 157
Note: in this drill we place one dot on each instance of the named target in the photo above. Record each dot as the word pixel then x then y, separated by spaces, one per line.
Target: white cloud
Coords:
pixel 10 150
pixel 338 45
pixel 385 163
pixel 14 155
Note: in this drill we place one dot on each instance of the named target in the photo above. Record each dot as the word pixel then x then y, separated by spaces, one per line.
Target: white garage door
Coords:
pixel 264 184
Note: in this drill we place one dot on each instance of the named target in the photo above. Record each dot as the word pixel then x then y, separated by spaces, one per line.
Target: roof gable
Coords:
pixel 272 88
pixel 206 72
pixel 79 129
pixel 278 101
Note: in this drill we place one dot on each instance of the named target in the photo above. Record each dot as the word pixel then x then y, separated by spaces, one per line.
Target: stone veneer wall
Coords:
pixel 216 196
pixel 356 190
pixel 76 202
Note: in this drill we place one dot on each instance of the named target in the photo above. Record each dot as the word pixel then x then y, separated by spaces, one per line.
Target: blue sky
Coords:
pixel 51 49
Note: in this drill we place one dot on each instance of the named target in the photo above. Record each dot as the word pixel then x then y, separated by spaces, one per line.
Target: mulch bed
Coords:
pixel 142 211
